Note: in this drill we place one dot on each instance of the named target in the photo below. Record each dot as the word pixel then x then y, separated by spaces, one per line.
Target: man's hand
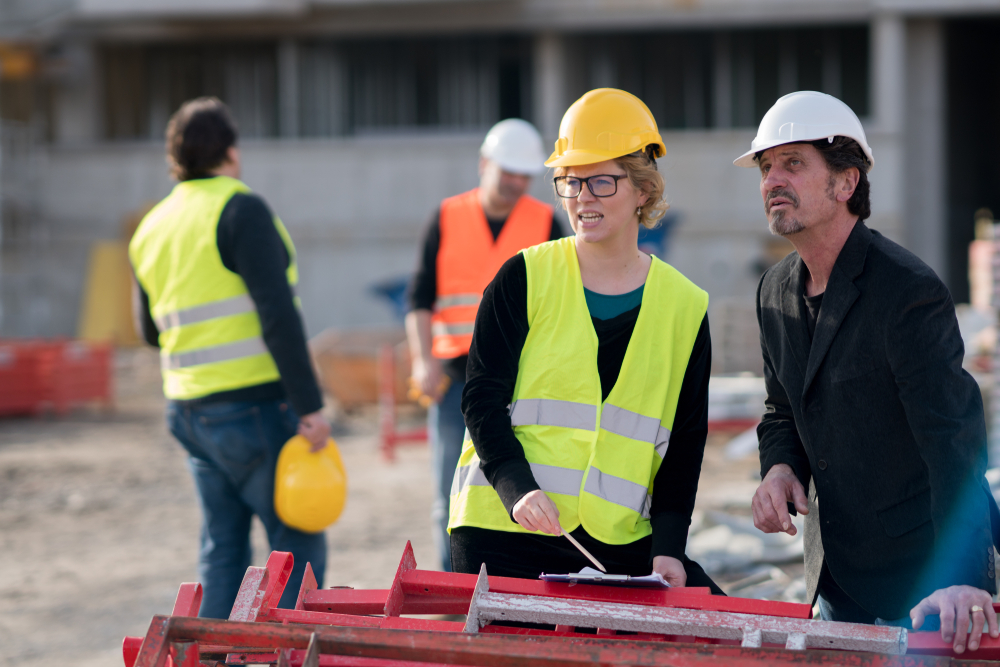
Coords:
pixel 316 429
pixel 670 569
pixel 535 511
pixel 428 377
pixel 770 503
pixel 955 604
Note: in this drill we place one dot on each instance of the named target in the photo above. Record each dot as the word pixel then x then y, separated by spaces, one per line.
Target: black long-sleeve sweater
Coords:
pixel 250 246
pixel 500 332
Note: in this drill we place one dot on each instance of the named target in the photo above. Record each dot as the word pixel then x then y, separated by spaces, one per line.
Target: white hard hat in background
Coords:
pixel 805 116
pixel 516 146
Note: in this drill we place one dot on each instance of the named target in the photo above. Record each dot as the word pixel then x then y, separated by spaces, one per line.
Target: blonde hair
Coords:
pixel 641 170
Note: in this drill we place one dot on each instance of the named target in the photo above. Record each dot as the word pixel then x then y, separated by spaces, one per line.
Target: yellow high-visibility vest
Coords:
pixel 210 333
pixel 596 460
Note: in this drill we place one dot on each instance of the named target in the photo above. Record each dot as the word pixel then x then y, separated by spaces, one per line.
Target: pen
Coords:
pixel 582 550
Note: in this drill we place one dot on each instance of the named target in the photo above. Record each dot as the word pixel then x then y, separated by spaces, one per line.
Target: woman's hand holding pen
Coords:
pixel 535 511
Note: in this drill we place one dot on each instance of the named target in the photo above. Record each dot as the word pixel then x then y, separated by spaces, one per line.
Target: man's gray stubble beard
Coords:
pixel 782 225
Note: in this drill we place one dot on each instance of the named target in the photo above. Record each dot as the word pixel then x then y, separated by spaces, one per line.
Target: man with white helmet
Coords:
pixel 867 403
pixel 468 239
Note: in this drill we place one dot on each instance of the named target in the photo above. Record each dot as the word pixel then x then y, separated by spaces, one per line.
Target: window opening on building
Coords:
pixel 341 87
pixel 720 79
pixel 336 87
pixel 144 85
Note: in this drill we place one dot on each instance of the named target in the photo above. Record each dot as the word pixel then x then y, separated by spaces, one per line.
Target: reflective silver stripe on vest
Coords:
pixel 616 490
pixel 662 441
pixel 466 476
pixel 554 479
pixel 633 425
pixel 443 329
pixel 629 424
pixel 549 412
pixel 236 305
pixel 451 300
pixel 647 506
pixel 551 479
pixel 209 355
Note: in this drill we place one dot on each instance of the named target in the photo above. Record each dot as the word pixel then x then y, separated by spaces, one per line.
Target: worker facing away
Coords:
pixel 587 395
pixel 216 274
pixel 469 237
pixel 867 406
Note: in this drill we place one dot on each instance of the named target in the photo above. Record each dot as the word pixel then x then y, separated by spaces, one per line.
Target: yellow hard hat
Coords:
pixel 604 124
pixel 310 488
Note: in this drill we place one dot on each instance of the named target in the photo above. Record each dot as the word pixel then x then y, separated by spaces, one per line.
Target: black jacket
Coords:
pixel 877 411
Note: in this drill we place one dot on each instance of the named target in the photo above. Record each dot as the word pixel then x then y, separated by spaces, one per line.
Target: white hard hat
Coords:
pixel 516 146
pixel 806 116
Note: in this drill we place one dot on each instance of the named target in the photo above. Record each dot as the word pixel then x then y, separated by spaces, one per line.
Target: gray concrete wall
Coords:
pixel 356 209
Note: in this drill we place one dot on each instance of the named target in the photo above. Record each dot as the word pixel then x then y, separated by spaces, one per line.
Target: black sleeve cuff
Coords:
pixel 305 397
pixel 799 465
pixel 670 532
pixel 149 331
pixel 513 480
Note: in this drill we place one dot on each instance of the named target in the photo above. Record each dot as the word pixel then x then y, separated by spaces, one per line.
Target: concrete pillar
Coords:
pixel 549 83
pixel 288 88
pixel 695 113
pixel 788 67
pixel 888 53
pixel 723 112
pixel 743 90
pixel 77 107
pixel 832 76
pixel 924 143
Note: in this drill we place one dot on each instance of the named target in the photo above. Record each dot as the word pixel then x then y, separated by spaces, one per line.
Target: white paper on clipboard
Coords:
pixel 589 575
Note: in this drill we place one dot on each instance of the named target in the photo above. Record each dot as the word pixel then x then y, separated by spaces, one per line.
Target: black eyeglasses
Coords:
pixel 601 185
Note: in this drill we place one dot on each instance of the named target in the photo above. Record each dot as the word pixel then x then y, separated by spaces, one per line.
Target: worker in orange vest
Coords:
pixel 469 238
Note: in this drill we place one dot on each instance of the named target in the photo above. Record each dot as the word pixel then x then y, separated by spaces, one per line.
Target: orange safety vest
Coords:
pixel 468 258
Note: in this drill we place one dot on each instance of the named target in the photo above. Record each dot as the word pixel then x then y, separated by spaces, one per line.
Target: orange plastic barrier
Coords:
pixel 37 374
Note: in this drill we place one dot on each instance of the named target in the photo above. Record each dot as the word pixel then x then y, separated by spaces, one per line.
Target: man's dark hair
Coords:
pixel 841 154
pixel 198 136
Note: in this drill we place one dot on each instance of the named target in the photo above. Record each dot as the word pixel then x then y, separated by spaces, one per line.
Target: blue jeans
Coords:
pixel 445 432
pixel 233 448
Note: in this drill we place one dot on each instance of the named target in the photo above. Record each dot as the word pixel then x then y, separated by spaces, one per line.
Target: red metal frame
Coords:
pixel 416 591
pixel 198 641
pixel 420 592
pixel 390 438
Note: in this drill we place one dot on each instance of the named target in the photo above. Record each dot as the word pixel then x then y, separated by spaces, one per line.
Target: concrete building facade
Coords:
pixel 359 116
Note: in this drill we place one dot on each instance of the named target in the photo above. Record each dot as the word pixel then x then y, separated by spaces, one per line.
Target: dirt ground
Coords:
pixel 99 522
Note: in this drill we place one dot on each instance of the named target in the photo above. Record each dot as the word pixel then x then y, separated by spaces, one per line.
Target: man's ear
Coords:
pixel 848 184
pixel 482 166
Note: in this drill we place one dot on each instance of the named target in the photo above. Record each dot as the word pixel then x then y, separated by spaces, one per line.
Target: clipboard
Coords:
pixel 589 575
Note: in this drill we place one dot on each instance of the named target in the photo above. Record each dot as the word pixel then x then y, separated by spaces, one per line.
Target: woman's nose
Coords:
pixel 585 193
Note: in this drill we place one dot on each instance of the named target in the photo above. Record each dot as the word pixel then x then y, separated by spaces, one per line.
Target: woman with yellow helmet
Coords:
pixel 587 388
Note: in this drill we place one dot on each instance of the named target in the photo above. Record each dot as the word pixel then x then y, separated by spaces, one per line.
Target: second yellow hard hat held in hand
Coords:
pixel 310 488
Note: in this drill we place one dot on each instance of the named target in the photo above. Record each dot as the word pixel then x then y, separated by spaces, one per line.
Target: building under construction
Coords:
pixel 358 116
